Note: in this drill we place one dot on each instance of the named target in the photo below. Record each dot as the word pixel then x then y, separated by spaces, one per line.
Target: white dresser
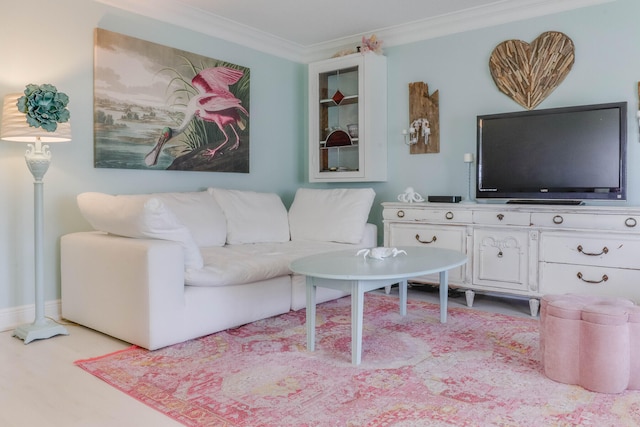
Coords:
pixel 527 250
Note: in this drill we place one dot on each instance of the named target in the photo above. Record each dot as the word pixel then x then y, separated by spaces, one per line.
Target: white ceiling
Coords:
pixel 305 30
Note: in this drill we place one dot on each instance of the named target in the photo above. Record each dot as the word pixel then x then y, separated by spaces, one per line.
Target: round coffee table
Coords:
pixel 346 271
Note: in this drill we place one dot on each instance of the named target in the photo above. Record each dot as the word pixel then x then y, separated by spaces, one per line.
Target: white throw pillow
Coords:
pixel 200 213
pixel 337 215
pixel 138 216
pixel 253 217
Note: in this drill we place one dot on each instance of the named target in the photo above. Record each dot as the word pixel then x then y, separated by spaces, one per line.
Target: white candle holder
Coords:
pixel 468 159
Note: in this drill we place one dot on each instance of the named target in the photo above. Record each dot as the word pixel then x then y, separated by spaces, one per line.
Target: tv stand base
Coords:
pixel 526 251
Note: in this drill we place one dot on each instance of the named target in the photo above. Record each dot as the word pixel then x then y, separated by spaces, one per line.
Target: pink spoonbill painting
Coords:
pixel 157 107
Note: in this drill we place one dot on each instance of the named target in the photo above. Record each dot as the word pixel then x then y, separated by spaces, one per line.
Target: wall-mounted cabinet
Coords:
pixel 348 119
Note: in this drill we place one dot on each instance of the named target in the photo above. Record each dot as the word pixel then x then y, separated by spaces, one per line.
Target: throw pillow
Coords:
pixel 337 215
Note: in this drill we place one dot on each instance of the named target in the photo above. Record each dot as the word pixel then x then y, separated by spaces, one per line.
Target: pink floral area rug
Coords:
pixel 478 369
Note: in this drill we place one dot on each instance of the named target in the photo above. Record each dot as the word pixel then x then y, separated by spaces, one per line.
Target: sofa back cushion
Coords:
pixel 253 217
pixel 336 215
pixel 138 216
pixel 200 213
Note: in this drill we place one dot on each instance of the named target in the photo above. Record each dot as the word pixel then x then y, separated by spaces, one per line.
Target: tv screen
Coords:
pixel 571 153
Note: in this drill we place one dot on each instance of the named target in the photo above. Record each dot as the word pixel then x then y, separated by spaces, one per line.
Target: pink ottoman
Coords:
pixel 634 344
pixel 590 341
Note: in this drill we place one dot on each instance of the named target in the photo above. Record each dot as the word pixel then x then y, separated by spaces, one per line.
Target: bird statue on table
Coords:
pixel 214 103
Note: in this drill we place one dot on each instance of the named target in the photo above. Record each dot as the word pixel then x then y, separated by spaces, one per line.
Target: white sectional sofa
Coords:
pixel 168 267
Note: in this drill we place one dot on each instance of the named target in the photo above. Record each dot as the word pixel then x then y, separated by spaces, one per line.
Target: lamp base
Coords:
pixel 39 330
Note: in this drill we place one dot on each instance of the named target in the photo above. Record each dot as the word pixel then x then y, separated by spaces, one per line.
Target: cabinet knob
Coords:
pixel 630 222
pixel 558 219
pixel 604 251
pixel 449 215
pixel 426 242
pixel 500 217
pixel 604 279
pixel 400 214
pixel 500 254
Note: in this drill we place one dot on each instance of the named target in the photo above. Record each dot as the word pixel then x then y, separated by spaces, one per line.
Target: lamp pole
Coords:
pixel 38 159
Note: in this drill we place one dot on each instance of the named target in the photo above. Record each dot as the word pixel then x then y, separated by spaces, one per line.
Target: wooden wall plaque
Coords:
pixel 422 105
pixel 529 72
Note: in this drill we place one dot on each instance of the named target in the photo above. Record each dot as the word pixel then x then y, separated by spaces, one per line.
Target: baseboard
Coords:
pixel 14 316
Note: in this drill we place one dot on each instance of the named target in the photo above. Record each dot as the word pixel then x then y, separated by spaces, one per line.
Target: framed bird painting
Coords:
pixel 156 107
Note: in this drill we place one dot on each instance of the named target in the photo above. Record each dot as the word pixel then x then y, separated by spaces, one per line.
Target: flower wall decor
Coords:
pixel 44 106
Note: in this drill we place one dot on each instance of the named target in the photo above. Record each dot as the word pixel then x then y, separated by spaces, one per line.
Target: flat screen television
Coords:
pixel 559 155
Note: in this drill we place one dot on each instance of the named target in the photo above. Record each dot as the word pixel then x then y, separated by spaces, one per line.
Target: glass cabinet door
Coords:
pixel 347 136
pixel 338 120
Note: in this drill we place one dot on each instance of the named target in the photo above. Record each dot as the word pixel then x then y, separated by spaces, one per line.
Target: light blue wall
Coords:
pixel 55 45
pixel 52 42
pixel 607 69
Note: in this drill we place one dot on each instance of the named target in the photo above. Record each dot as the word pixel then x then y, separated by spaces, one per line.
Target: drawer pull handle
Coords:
pixel 604 251
pixel 400 214
pixel 630 222
pixel 500 217
pixel 558 219
pixel 426 242
pixel 604 279
pixel 500 254
pixel 449 215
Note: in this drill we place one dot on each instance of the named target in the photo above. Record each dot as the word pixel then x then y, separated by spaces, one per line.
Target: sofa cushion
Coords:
pixel 337 215
pixel 200 213
pixel 238 264
pixel 138 216
pixel 253 217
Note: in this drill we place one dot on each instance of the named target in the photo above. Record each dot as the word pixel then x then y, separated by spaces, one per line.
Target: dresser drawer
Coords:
pixel 619 222
pixel 444 216
pixel 499 217
pixel 427 235
pixel 453 237
pixel 610 250
pixel 590 280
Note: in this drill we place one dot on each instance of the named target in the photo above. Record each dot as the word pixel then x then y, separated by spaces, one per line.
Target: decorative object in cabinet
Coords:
pixel 347 119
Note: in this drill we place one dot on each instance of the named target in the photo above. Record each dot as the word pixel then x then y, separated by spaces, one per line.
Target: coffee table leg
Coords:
pixel 403 297
pixel 444 295
pixel 357 314
pixel 311 314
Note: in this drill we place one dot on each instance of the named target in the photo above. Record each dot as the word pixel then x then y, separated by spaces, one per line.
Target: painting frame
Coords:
pixel 163 108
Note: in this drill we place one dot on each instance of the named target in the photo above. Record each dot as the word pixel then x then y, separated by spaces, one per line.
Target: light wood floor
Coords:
pixel 40 385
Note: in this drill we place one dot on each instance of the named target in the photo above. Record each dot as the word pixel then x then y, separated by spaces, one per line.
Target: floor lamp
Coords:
pixel 38 157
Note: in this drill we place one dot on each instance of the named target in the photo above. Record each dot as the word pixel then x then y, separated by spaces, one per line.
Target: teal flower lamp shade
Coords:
pixel 15 127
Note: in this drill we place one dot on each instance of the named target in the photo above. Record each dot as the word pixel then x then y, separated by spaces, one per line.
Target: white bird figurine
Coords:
pixel 380 252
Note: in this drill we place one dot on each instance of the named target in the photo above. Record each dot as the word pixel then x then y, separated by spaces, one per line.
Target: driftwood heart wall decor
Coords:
pixel 529 72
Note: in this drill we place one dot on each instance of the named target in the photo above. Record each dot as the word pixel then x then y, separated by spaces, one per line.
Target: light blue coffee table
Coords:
pixel 344 270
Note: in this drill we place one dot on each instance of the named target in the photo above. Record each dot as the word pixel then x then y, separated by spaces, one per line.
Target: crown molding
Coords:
pixel 500 12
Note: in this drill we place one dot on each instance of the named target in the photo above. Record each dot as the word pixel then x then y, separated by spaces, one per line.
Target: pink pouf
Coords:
pixel 591 341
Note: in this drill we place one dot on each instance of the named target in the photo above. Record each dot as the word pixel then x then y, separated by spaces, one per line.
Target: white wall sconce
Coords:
pixel 419 127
